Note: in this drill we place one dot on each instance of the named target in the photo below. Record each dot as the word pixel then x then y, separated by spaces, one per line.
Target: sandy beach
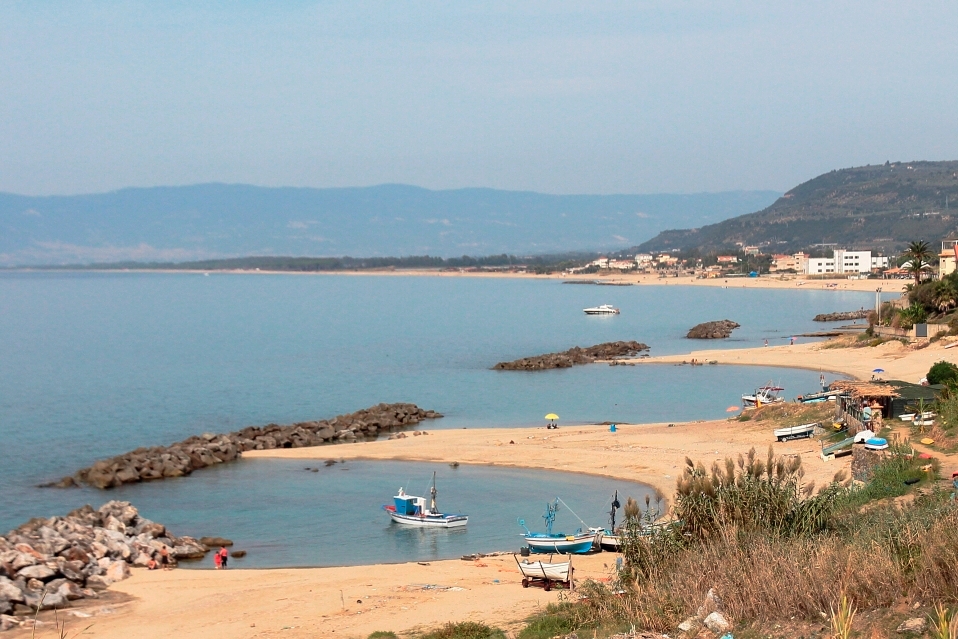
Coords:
pixel 403 597
pixel 891 287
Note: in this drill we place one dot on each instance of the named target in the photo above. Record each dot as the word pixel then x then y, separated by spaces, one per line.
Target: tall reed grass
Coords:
pixel 774 548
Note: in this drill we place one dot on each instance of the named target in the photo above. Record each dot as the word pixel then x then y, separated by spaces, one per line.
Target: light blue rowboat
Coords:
pixel 579 542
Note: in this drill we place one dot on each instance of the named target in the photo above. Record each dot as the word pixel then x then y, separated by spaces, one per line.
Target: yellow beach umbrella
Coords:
pixel 552 416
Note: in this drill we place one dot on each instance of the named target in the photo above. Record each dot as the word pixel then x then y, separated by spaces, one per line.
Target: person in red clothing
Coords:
pixel 224 556
pixel 218 560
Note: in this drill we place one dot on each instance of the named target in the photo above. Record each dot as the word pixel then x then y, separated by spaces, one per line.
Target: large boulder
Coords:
pixel 38 571
pixel 117 571
pixel 712 330
pixel 10 591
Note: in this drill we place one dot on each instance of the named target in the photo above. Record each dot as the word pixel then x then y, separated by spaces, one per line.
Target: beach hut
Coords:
pixel 861 403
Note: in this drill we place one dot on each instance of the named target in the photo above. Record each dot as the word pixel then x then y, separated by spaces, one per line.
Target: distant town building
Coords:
pixel 843 261
pixel 622 265
pixel 948 258
pixel 642 259
pixel 602 262
pixel 797 262
pixel 727 259
pixel 751 250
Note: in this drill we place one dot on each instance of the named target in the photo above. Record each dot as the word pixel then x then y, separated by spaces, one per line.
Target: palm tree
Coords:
pixel 918 254
pixel 945 296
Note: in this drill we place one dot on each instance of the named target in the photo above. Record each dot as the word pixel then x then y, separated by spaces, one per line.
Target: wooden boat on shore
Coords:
pixel 581 541
pixel 545 573
pixel 410 510
pixel 795 432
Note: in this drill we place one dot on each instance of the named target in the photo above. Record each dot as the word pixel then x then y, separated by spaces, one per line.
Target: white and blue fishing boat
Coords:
pixel 577 543
pixel 410 510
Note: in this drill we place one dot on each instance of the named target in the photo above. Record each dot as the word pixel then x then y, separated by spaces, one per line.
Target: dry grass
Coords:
pixel 875 556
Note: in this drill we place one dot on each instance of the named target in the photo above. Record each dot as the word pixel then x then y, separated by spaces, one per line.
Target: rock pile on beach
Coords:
pixel 573 356
pixel 182 458
pixel 48 563
pixel 713 330
pixel 841 317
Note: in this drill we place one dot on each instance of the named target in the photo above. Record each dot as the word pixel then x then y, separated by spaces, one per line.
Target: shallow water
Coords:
pixel 93 365
pixel 284 515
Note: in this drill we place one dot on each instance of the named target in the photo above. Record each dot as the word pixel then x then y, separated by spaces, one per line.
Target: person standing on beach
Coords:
pixel 224 555
pixel 218 560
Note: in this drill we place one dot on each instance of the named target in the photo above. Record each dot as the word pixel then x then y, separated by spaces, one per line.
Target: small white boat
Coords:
pixel 767 394
pixel 602 309
pixel 795 432
pixel 907 417
pixel 410 510
pixel 544 570
pixel 925 419
pixel 876 443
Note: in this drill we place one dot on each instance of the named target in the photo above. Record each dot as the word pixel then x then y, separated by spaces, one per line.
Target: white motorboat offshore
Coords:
pixel 410 510
pixel 795 432
pixel 767 394
pixel 602 309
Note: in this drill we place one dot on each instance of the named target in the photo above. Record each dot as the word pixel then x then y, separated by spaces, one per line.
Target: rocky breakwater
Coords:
pixel 713 330
pixel 573 356
pixel 182 458
pixel 48 563
pixel 841 317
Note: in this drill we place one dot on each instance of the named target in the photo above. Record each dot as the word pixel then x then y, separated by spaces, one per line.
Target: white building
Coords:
pixel 843 261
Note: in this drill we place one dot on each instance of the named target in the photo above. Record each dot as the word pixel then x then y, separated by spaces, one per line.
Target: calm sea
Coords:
pixel 92 365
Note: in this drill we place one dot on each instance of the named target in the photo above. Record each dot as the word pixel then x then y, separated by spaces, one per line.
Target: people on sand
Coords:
pixel 166 562
pixel 224 556
pixel 217 560
pixel 151 564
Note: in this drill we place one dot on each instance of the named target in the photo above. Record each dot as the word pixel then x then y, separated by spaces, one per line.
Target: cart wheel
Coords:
pixel 525 583
pixel 547 586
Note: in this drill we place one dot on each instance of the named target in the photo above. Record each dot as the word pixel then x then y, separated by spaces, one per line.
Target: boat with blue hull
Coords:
pixel 411 510
pixel 580 542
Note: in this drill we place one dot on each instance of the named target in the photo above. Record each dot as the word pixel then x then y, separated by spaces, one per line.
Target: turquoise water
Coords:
pixel 284 515
pixel 92 365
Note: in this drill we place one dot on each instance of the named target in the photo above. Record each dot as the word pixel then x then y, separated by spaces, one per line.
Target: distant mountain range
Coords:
pixel 876 207
pixel 219 220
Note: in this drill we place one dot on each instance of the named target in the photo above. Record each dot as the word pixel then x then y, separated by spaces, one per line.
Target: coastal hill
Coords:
pixel 879 207
pixel 176 224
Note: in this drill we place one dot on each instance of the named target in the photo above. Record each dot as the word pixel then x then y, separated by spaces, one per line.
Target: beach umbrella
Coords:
pixel 879 370
pixel 732 409
pixel 552 416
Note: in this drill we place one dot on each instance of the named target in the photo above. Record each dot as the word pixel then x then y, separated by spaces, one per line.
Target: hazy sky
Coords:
pixel 560 97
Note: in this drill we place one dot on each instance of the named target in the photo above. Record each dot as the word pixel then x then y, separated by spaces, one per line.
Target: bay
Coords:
pixel 95 364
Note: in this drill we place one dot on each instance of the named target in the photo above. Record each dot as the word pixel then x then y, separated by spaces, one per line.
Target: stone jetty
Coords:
pixel 182 458
pixel 712 330
pixel 48 563
pixel 573 356
pixel 841 317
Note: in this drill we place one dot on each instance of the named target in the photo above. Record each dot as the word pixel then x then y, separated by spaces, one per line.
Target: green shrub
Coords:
pixel 382 634
pixel 556 620
pixel 465 630
pixel 942 373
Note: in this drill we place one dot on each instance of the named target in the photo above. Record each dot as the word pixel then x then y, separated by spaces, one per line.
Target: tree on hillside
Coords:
pixel 917 255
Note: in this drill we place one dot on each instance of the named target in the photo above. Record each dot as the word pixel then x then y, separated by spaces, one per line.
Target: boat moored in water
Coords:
pixel 581 541
pixel 602 309
pixel 410 510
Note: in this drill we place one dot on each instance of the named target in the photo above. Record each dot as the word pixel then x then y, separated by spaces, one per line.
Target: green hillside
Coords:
pixel 870 207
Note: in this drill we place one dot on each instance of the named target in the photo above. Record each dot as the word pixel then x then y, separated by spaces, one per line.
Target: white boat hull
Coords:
pixel 543 570
pixel 430 521
pixel 574 544
pixel 794 432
